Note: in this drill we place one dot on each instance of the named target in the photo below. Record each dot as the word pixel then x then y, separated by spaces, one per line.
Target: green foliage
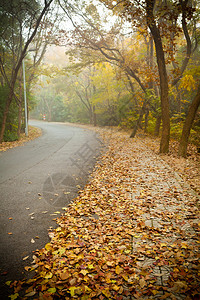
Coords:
pixel 11 125
pixel 10 136
pixel 151 123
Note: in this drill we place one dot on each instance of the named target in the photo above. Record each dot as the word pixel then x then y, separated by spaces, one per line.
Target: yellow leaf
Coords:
pixel 115 287
pixel 185 246
pixel 110 263
pixel 106 293
pixel 118 270
pixel 13 297
pixel 125 277
pixel 87 289
pixel 127 251
pixel 61 251
pixel 48 246
pixel 84 272
pixel 72 290
pixel 155 292
pixel 90 267
pixel 51 290
pixel 48 275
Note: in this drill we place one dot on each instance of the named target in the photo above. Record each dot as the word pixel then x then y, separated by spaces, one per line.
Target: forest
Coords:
pixel 131 64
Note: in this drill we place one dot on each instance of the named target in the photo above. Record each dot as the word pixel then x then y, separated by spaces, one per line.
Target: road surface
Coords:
pixel 36 181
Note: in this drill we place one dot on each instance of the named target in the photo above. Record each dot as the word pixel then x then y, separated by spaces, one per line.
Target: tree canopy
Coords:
pixel 127 63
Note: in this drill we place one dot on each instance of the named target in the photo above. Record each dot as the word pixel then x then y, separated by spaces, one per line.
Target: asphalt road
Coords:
pixel 36 181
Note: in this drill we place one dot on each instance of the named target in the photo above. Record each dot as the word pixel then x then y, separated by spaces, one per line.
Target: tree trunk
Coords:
pixel 157 126
pixel 20 107
pixel 5 113
pixel 139 120
pixel 94 116
pixel 164 143
pixel 182 151
pixel 146 119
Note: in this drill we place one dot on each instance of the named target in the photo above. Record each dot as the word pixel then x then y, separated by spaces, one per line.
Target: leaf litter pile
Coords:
pixel 132 233
pixel 33 134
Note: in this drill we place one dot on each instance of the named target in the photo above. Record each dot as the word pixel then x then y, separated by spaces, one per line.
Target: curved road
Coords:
pixel 36 181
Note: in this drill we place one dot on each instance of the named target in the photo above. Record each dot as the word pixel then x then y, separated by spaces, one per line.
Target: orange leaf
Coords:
pixel 118 270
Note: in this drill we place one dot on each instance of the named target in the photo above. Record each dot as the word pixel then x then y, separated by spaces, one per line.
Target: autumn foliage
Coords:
pixel 129 233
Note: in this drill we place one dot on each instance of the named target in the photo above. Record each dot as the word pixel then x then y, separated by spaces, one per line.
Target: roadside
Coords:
pixel 188 168
pixel 33 134
pixel 132 233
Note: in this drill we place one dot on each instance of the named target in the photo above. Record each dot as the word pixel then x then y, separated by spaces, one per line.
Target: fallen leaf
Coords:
pixel 72 291
pixel 48 275
pixel 118 270
pixel 84 272
pixel 25 258
pixel 30 294
pixel 65 275
pixel 165 296
pixel 51 290
pixel 14 296
pixel 142 282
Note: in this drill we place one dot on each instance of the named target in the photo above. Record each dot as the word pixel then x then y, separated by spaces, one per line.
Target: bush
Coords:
pixel 10 136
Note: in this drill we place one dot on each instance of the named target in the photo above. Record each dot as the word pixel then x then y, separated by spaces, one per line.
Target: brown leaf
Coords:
pixel 65 275
pixel 142 282
pixel 73 281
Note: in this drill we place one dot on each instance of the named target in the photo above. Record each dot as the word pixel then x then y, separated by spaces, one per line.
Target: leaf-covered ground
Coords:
pixel 33 134
pixel 132 233
pixel 188 168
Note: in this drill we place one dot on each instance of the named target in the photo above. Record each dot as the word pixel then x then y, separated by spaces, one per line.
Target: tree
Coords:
pixel 163 19
pixel 23 20
pixel 182 151
pixel 151 22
